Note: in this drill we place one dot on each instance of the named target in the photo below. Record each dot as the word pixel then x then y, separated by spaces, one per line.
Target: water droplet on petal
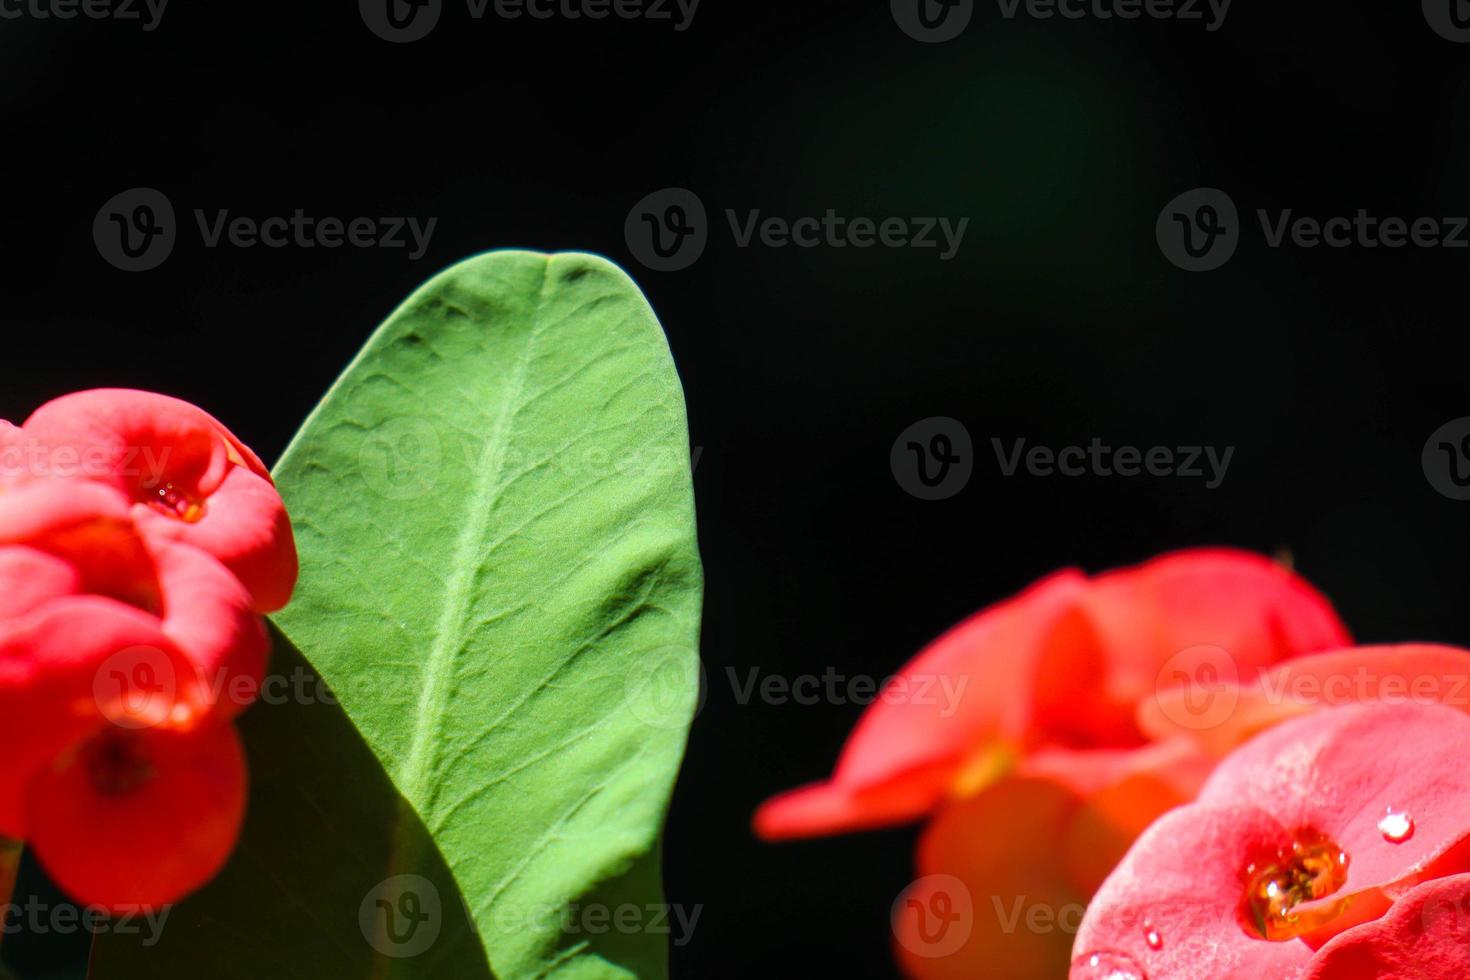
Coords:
pixel 175 503
pixel 1106 965
pixel 1313 868
pixel 1152 937
pixel 1396 827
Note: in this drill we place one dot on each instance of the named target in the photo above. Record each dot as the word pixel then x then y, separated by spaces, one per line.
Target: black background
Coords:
pixel 1058 321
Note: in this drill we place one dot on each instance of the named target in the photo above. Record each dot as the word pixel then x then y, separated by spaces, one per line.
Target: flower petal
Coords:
pixel 53 691
pixel 246 527
pixel 1333 774
pixel 1062 665
pixel 1339 772
pixel 139 818
pixel 1183 882
pixel 190 478
pixel 29 577
pixel 207 614
pixel 906 752
pixel 1252 608
pixel 1417 673
pixel 135 441
pixel 1120 792
pixel 1018 907
pixel 1425 936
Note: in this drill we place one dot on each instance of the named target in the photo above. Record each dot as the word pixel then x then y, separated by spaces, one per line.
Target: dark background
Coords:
pixel 1058 321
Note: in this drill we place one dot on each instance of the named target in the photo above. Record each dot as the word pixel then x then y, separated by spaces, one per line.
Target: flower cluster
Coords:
pixel 1057 758
pixel 1193 751
pixel 140 544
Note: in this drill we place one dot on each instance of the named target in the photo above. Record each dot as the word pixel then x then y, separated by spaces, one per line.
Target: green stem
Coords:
pixel 9 866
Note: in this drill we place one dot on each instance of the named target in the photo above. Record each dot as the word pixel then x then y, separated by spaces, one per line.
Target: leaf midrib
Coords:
pixel 435 692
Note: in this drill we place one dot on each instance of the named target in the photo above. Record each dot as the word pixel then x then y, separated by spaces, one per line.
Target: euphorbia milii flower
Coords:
pixel 1052 681
pixel 139 541
pixel 189 478
pixel 1336 845
pixel 107 639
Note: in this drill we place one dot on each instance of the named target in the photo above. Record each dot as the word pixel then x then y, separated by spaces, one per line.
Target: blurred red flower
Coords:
pixel 1039 776
pixel 139 542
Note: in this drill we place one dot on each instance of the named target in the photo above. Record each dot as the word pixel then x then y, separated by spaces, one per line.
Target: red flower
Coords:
pixel 1335 845
pixel 1051 685
pixel 127 640
pixel 188 477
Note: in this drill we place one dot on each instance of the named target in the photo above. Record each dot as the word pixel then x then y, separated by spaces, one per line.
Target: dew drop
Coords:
pixel 1313 868
pixel 1396 827
pixel 174 502
pixel 1106 965
pixel 1152 937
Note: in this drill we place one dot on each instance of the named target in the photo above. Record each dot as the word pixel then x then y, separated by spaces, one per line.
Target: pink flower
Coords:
pixel 1335 845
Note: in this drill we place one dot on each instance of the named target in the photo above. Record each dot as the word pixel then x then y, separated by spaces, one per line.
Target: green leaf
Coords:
pixel 500 574
pixel 325 830
pixel 500 581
